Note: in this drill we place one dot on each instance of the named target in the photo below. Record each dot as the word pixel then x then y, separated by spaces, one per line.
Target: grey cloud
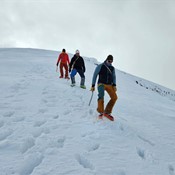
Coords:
pixel 140 34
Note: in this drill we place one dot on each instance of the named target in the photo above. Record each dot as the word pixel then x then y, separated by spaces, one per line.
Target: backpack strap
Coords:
pixel 74 63
pixel 108 69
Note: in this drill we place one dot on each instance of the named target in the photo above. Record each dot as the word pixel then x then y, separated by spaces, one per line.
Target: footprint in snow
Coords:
pixel 114 172
pixel 51 97
pixel 141 153
pixel 93 147
pixel 27 144
pixel 84 162
pixel 1 124
pixel 5 133
pixel 8 114
pixel 88 134
pixel 22 93
pixel 15 88
pixel 45 92
pixel 23 80
pixel 121 173
pixel 10 96
pixel 91 112
pixel 67 112
pixel 45 101
pixel 30 163
pixel 60 142
pixel 46 130
pixel 37 132
pixel 42 110
pixel 39 123
pixel 56 143
pixel 121 127
pixel 56 117
pixel 171 170
pixel 19 119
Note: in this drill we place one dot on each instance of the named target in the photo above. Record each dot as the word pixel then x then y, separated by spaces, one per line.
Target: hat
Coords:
pixel 110 57
pixel 64 50
pixel 77 51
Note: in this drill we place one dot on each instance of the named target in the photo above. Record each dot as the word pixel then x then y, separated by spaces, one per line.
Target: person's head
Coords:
pixel 64 50
pixel 77 52
pixel 109 59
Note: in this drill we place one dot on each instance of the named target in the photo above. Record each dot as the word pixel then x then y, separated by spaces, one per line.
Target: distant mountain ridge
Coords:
pixel 157 89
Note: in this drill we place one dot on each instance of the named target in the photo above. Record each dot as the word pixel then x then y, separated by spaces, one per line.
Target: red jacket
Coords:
pixel 63 58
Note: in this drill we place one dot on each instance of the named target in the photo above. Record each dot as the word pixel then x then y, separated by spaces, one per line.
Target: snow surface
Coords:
pixel 47 127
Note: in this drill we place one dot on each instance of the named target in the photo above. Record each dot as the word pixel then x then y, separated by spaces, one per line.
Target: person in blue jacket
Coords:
pixel 106 82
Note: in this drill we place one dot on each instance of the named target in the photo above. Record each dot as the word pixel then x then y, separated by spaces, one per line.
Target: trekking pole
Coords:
pixel 57 69
pixel 91 98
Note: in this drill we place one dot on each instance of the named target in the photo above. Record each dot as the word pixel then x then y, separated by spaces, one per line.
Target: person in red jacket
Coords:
pixel 64 62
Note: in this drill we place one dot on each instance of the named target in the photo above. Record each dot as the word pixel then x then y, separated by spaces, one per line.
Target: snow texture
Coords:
pixel 48 128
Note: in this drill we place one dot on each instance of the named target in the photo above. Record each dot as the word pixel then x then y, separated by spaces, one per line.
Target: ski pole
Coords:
pixel 91 98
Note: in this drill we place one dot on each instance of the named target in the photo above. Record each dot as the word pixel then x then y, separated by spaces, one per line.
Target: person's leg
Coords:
pixel 73 80
pixel 110 90
pixel 61 70
pixel 72 75
pixel 100 107
pixel 82 82
pixel 66 71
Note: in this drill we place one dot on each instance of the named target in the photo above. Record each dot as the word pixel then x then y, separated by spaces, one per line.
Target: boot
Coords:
pixel 82 83
pixel 100 116
pixel 109 116
pixel 73 81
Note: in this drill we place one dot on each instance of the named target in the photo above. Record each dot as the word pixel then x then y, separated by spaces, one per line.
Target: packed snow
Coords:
pixel 48 128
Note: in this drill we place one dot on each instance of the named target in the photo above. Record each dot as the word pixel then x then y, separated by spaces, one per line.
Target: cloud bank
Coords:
pixel 139 34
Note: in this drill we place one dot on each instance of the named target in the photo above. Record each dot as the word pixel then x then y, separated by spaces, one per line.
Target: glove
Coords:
pixel 92 88
pixel 115 88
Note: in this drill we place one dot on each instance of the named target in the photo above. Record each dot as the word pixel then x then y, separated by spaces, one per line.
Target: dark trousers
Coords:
pixel 80 72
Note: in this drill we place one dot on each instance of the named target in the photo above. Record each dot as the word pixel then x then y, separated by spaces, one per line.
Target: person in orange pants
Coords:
pixel 64 62
pixel 106 82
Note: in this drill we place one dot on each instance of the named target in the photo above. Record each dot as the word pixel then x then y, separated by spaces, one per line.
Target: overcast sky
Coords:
pixel 140 34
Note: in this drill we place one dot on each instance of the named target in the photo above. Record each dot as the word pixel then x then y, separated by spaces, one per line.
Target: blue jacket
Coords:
pixel 106 74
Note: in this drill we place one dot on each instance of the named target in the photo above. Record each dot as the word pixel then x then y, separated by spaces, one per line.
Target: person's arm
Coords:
pixel 68 59
pixel 114 77
pixel 96 72
pixel 71 62
pixel 84 68
pixel 58 59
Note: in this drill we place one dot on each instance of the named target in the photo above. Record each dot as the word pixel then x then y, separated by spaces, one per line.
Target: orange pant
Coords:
pixel 101 92
pixel 66 69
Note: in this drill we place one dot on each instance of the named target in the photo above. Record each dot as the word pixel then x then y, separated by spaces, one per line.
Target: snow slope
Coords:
pixel 47 127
